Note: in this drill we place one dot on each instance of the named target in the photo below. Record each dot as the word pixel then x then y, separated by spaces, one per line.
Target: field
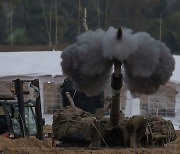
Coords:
pixel 33 146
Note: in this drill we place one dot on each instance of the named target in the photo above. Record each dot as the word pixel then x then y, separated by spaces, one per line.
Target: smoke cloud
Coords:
pixel 84 63
pixel 148 62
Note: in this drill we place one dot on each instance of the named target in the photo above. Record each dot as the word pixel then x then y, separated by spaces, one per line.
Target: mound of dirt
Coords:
pixel 31 145
pixel 23 145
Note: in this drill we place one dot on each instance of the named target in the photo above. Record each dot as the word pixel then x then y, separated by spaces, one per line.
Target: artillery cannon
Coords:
pixel 73 126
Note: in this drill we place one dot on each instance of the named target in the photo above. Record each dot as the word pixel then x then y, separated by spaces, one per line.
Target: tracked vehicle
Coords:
pixel 74 127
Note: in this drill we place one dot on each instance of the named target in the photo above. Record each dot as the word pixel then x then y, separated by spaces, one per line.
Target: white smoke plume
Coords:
pixel 148 62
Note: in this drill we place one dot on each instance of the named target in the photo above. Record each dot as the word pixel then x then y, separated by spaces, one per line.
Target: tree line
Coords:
pixel 42 22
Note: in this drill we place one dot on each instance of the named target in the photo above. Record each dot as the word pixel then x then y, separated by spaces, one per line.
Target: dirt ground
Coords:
pixel 33 146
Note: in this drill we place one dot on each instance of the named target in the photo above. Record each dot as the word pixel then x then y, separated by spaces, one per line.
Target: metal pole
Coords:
pixel 105 20
pixel 11 22
pixel 50 23
pixel 56 22
pixel 19 93
pixel 25 24
pixel 47 28
pixel 160 33
pixel 79 15
pixel 84 23
pixel 157 101
pixel 38 110
pixel 98 14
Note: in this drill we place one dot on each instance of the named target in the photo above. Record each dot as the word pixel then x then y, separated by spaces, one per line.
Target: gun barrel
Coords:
pixel 116 84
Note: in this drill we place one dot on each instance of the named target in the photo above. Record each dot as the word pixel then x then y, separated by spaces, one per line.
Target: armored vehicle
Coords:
pixel 74 126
